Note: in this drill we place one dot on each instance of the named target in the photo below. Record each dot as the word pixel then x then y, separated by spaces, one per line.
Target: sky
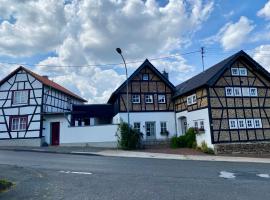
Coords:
pixel 74 41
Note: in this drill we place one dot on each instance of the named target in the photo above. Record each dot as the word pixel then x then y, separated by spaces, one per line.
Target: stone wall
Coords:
pixel 252 148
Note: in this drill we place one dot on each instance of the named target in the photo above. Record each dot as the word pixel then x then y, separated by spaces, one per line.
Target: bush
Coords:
pixel 204 148
pixel 128 138
pixel 187 140
pixel 4 185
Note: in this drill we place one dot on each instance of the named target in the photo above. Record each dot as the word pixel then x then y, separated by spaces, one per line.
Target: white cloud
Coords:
pixel 265 11
pixel 85 32
pixel 233 35
pixel 261 55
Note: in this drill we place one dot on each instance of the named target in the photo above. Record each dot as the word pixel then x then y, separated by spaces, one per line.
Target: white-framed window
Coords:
pixel 137 127
pixel 237 91
pixel 145 77
pixel 229 91
pixel 192 99
pixel 136 98
pixel 242 71
pixel 233 123
pixel 257 123
pixel 196 125
pixel 253 92
pixel 202 125
pixel 20 97
pixel 161 98
pixel 18 123
pixel 149 98
pixel 241 123
pixel 249 123
pixel 235 71
pixel 245 92
pixel 163 127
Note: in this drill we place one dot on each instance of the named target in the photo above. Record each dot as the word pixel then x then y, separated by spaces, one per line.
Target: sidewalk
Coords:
pixel 95 151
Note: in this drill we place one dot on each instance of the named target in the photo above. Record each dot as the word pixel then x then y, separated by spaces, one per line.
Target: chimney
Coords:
pixel 165 74
pixel 45 76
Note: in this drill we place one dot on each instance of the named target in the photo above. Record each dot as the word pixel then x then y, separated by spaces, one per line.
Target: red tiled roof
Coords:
pixel 46 82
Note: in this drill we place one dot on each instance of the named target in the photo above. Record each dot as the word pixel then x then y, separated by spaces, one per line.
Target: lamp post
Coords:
pixel 119 51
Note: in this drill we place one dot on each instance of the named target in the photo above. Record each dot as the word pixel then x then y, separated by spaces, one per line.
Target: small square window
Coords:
pixel 229 91
pixel 237 91
pixel 233 124
pixel 148 98
pixel 235 71
pixel 145 77
pixel 249 123
pixel 241 123
pixel 20 97
pixel 253 92
pixel 161 98
pixel 257 123
pixel 192 99
pixel 136 98
pixel 189 100
pixel 245 92
pixel 242 71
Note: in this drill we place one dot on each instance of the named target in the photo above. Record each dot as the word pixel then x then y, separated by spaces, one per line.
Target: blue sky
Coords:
pixel 43 34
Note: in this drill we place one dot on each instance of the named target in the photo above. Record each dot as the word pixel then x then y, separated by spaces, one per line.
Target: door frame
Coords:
pixel 155 131
pixel 53 133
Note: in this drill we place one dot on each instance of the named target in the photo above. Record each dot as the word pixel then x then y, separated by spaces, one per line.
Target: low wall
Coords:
pixel 30 142
pixel 98 136
pixel 252 148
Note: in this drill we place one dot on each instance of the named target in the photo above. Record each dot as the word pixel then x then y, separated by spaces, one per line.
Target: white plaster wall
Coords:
pixel 193 116
pixel 143 117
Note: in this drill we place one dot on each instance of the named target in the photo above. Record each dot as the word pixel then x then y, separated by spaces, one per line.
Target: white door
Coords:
pixel 150 130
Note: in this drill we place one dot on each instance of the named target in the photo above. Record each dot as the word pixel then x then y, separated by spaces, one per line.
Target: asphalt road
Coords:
pixel 62 176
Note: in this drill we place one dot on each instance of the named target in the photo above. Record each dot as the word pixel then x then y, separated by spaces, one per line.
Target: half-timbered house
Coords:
pixel 30 108
pixel 227 103
pixel 150 102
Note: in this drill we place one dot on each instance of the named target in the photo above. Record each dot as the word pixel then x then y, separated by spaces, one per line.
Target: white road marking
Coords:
pixel 71 172
pixel 227 175
pixel 263 175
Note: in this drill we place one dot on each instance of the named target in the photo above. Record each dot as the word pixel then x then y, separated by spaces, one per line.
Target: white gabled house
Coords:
pixel 29 107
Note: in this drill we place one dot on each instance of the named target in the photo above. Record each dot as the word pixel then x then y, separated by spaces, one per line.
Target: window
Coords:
pixel 196 125
pixel 253 92
pixel 235 71
pixel 18 123
pixel 161 98
pixel 20 97
pixel 137 127
pixel 245 92
pixel 233 123
pixel 135 98
pixel 191 99
pixel 145 77
pixel 241 123
pixel 148 98
pixel 242 71
pixel 257 123
pixel 202 125
pixel 237 91
pixel 229 91
pixel 163 127
pixel 249 123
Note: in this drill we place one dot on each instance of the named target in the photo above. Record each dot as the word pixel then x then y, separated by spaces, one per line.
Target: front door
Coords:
pixel 55 132
pixel 150 129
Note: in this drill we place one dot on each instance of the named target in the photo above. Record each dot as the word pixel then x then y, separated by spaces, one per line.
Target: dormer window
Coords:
pixel 145 77
pixel 20 97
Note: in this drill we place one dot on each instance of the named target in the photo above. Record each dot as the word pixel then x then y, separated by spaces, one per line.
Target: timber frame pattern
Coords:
pixel 156 85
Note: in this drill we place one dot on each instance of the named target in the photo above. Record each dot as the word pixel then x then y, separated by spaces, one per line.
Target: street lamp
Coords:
pixel 119 51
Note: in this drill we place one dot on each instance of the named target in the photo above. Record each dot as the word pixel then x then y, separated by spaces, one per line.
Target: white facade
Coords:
pixel 143 117
pixel 190 118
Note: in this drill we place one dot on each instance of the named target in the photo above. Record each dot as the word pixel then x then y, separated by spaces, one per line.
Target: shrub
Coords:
pixel 204 148
pixel 4 185
pixel 187 140
pixel 128 138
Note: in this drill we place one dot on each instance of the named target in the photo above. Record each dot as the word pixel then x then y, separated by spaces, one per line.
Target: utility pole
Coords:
pixel 202 53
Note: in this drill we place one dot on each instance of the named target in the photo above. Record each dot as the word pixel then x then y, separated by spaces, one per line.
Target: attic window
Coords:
pixel 145 77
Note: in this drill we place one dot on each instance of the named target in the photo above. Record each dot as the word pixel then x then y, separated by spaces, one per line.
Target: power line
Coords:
pixel 103 65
